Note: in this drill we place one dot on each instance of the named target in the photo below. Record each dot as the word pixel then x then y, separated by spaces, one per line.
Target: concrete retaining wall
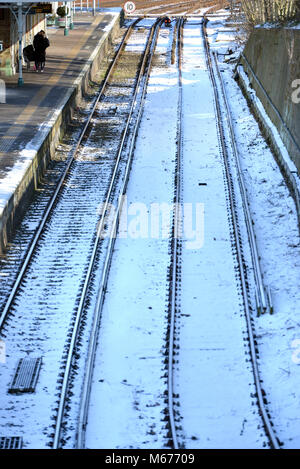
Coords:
pixel 274 57
pixel 16 205
pixel 281 154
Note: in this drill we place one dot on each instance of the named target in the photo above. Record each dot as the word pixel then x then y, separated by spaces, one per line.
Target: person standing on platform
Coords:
pixel 29 55
pixel 40 44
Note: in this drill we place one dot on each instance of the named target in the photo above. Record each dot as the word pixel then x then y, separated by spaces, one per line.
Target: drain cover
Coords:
pixel 6 143
pixel 26 375
pixel 11 442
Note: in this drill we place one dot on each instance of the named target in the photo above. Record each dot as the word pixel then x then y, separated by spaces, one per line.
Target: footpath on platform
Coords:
pixel 35 114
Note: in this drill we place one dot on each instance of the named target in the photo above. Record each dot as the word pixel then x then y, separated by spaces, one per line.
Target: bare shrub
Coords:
pixel 270 11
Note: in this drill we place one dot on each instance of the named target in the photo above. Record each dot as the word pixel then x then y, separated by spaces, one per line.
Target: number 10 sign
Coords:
pixel 129 7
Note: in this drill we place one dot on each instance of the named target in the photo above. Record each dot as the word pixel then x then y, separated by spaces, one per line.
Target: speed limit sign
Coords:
pixel 129 7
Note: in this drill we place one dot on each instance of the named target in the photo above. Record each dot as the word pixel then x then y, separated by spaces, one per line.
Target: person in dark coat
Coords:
pixel 40 44
pixel 29 55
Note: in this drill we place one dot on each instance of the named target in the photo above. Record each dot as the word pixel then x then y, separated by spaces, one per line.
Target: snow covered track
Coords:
pixel 175 250
pixel 101 228
pixel 260 289
pixel 180 379
pixel 263 294
pixel 132 352
pixel 84 406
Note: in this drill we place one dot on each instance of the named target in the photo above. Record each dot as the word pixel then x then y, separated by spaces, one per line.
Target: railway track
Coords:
pixel 263 300
pixel 66 219
pixel 128 145
pixel 173 8
pixel 174 274
pixel 262 293
pixel 163 89
pixel 154 7
pixel 84 405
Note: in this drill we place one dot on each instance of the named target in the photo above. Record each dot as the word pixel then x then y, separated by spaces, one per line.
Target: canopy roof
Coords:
pixel 18 2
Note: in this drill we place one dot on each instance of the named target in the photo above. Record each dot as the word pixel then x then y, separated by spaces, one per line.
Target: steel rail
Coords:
pixel 161 10
pixel 262 298
pixel 266 420
pixel 87 382
pixel 176 234
pixel 54 198
pixel 172 15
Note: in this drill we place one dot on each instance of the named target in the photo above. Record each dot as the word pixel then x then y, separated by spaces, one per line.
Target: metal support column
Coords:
pixel 66 30
pixel 72 7
pixel 20 33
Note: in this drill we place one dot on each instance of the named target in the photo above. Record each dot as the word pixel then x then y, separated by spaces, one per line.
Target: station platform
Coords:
pixel 31 118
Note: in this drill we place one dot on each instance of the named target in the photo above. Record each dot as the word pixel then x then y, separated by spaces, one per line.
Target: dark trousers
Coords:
pixel 39 65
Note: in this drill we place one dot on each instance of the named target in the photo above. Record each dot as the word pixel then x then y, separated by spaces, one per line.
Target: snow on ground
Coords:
pixel 213 378
pixel 10 182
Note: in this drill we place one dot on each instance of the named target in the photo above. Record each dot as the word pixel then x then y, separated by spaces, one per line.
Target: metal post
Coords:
pixel 72 15
pixel 2 101
pixel 94 7
pixel 66 31
pixel 20 32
